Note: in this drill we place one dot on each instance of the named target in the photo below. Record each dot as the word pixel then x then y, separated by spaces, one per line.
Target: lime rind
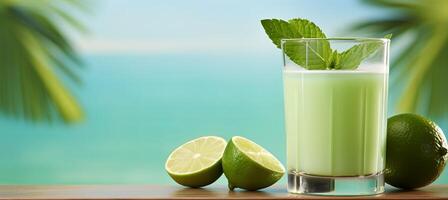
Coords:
pixel 258 154
pixel 416 151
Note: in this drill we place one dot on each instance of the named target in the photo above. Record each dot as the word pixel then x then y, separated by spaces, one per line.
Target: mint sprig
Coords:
pixel 315 54
pixel 352 58
pixel 319 51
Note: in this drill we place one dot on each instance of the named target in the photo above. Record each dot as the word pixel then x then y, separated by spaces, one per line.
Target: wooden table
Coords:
pixel 178 192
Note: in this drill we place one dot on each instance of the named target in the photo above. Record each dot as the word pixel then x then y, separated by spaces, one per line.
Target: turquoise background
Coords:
pixel 136 119
pixel 144 95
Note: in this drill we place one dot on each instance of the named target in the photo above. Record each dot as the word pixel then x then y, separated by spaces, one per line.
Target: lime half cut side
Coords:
pixel 249 166
pixel 197 163
pixel 258 154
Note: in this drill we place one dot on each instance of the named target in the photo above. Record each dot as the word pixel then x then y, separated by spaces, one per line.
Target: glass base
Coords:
pixel 337 186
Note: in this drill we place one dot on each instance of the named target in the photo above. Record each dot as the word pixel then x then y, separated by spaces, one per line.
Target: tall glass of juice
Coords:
pixel 335 119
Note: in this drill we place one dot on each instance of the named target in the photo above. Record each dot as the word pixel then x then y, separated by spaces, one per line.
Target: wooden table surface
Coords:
pixel 178 192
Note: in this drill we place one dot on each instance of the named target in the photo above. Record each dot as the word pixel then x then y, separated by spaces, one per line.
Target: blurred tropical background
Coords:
pixel 102 92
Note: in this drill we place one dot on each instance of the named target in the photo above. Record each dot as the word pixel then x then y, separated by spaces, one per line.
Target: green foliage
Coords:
pixel 34 52
pixel 319 51
pixel 314 54
pixel 422 65
pixel 352 58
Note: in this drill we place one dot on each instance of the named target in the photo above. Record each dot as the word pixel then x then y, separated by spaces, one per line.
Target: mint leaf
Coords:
pixel 314 54
pixel 388 36
pixel 278 29
pixel 334 60
pixel 352 58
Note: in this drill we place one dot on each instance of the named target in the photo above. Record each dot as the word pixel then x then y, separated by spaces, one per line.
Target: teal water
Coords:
pixel 139 108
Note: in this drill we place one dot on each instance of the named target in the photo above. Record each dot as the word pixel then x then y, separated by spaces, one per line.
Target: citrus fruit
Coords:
pixel 197 163
pixel 249 166
pixel 416 151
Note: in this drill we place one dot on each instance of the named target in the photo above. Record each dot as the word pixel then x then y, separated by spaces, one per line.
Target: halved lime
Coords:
pixel 249 166
pixel 197 163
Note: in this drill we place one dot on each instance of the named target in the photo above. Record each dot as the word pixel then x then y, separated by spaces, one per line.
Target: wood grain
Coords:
pixel 177 192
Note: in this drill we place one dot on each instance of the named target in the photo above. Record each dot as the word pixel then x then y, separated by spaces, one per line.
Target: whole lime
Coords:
pixel 416 151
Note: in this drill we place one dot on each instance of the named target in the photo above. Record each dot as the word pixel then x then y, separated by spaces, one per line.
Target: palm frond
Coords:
pixel 394 4
pixel 421 65
pixel 420 69
pixel 437 105
pixel 69 19
pixel 45 29
pixel 401 64
pixel 35 52
pixel 397 26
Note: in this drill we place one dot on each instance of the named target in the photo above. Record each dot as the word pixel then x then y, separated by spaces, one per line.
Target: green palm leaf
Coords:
pixel 419 70
pixel 34 53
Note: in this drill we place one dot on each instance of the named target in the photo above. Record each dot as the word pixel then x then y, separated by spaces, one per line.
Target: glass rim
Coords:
pixel 353 39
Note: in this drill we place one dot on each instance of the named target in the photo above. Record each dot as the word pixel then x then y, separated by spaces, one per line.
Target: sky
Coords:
pixel 149 26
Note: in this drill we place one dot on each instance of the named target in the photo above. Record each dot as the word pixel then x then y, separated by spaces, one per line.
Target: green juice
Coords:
pixel 335 122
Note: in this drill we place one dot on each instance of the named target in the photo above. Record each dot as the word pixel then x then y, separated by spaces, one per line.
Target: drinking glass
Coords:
pixel 335 119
